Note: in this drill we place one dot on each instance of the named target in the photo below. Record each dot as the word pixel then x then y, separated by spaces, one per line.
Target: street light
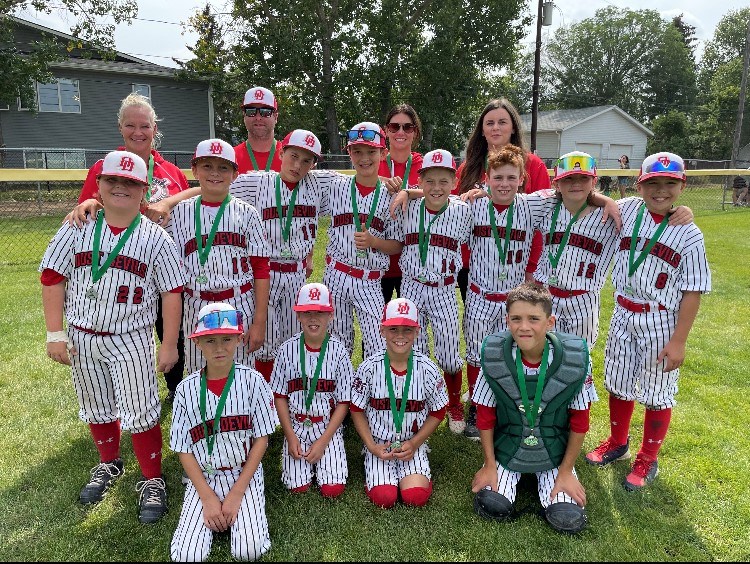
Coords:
pixel 543 17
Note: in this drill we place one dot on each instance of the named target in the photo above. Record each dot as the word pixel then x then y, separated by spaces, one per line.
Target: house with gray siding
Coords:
pixel 78 111
pixel 604 132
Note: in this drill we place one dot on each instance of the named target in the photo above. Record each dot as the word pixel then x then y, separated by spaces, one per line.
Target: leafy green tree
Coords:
pixel 673 132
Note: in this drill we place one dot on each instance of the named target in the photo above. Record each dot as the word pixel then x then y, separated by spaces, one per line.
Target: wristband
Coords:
pixel 57 337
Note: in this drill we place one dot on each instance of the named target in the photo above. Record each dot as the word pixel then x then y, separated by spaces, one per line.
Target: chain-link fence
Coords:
pixel 33 203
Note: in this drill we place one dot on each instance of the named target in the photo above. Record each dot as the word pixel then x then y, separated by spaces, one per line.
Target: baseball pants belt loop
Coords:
pixel 354 272
pixel 560 293
pixel 285 266
pixel 92 332
pixel 638 307
pixel 446 282
pixel 489 296
pixel 221 295
pixel 314 418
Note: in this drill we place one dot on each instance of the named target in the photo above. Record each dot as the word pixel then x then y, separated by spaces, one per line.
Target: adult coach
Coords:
pixel 261 151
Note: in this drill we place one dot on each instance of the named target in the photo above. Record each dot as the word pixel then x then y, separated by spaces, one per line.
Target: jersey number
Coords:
pixel 661 280
pixel 244 264
pixel 518 254
pixel 124 291
pixel 589 270
pixel 446 266
pixel 312 232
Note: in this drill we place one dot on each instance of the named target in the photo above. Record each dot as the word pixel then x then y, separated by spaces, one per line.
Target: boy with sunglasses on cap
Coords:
pixel 223 248
pixel 221 420
pixel 659 274
pixel 398 400
pixel 106 279
pixel 311 381
pixel 260 151
pixel 289 203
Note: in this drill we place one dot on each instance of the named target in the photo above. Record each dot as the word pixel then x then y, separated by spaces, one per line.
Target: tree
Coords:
pixel 688 33
pixel 672 132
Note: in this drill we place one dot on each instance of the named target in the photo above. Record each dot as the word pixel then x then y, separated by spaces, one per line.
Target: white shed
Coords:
pixel 604 132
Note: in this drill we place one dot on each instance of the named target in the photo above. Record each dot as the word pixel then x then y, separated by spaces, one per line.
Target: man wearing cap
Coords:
pixel 106 279
pixel 260 151
pixel 311 382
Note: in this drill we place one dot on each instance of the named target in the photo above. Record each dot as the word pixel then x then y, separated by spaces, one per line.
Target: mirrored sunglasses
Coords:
pixel 222 319
pixel 407 127
pixel 364 134
pixel 663 165
pixel 264 112
pixel 576 163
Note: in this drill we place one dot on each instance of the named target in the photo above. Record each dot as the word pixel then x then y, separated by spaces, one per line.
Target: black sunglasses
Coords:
pixel 407 127
pixel 264 112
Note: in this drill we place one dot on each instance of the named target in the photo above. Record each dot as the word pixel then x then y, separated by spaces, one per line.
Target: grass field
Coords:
pixel 697 509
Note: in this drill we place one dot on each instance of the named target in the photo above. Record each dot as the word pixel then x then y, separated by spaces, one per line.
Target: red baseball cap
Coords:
pixel 314 297
pixel 400 311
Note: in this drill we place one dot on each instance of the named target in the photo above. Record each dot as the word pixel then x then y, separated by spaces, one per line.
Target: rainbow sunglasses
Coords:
pixel 575 164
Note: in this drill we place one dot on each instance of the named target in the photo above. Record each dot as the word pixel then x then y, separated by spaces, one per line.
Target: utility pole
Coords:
pixel 543 17
pixel 743 90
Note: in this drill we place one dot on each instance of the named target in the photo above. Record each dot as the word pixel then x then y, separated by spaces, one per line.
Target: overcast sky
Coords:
pixel 156 34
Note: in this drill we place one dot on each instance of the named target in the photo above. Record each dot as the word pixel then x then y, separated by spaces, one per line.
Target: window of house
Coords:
pixel 143 90
pixel 61 96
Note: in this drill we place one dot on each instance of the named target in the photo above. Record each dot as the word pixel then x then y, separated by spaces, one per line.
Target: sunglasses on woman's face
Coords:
pixel 407 127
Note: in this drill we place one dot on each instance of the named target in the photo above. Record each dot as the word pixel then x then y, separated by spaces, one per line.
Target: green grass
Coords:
pixel 698 508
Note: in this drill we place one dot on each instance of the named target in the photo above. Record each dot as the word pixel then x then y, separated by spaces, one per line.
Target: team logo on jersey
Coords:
pixel 403 307
pixel 310 141
pixel 358 385
pixel 127 164
pixel 314 294
pixel 664 160
pixel 216 149
pixel 437 158
pixel 159 189
pixel 259 94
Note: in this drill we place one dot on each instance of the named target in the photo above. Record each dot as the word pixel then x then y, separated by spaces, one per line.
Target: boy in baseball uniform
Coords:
pixel 398 400
pixel 224 250
pixel 532 412
pixel 221 419
pixel 106 279
pixel 311 382
pixel 659 274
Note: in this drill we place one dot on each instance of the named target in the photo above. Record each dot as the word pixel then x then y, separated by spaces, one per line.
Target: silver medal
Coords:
pixel 201 278
pixel 91 293
pixel 552 280
pixel 307 422
pixel 361 253
pixel 209 469
pixel 503 276
pixel 531 440
pixel 286 253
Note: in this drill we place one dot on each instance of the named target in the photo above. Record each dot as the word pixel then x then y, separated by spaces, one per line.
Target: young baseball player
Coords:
pixel 221 420
pixel 229 260
pixel 106 279
pixel 659 274
pixel 361 236
pixel 398 400
pixel 532 412
pixel 260 151
pixel 289 204
pixel 311 381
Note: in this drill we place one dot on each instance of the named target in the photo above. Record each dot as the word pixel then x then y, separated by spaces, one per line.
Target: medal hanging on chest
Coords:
pixel 530 411
pixel 309 388
pixel 210 437
pixel 97 270
pixel 554 259
pixel 285 221
pixel 398 411
pixel 502 246
pixel 424 236
pixel 91 293
pixel 201 250
pixel 362 253
pixel 633 261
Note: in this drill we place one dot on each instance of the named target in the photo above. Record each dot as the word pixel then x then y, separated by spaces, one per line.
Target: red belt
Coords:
pixel 301 417
pixel 560 293
pixel 221 295
pixel 637 307
pixel 91 332
pixel 447 282
pixel 285 266
pixel 228 468
pixel 490 297
pixel 354 272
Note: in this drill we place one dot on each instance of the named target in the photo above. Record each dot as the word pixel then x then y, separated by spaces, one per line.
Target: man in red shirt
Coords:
pixel 261 150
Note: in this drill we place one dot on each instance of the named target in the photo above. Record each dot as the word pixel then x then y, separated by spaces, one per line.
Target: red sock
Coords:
pixel 472 373
pixel 107 440
pixel 383 496
pixel 620 414
pixel 331 490
pixel 453 383
pixel 416 497
pixel 655 428
pixel 301 489
pixel 147 448
pixel 265 367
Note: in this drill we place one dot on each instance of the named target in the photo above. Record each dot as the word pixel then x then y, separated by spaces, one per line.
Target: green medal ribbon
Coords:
pixel 424 235
pixel 398 412
pixel 502 249
pixel 150 177
pixel 405 181
pixel 554 259
pixel 634 264
pixel 532 411
pixel 286 222
pixel 97 269
pixel 204 251
pixel 373 206
pixel 211 439
pixel 310 392
pixel 270 156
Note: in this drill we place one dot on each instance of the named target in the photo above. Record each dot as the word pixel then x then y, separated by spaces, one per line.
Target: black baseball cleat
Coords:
pixel 103 475
pixel 152 499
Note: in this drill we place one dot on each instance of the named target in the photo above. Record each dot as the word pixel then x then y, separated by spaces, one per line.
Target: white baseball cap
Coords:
pixel 314 297
pixel 575 162
pixel 439 158
pixel 214 148
pixel 400 311
pixel 259 96
pixel 366 133
pixel 304 140
pixel 218 319
pixel 662 164
pixel 125 164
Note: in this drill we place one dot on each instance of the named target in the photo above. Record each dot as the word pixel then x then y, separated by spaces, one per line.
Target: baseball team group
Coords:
pixel 248 344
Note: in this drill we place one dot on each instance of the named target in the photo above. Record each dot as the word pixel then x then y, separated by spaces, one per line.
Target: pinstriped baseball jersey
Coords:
pixel 259 190
pixel 585 260
pixel 484 264
pixel 339 206
pixel 483 394
pixel 334 383
pixel 370 393
pixel 676 264
pixel 238 237
pixel 248 414
pixel 127 293
pixel 449 231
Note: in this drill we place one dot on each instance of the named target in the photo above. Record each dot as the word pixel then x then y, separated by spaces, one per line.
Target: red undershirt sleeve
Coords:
pixel 579 420
pixel 51 277
pixel 486 417
pixel 439 414
pixel 261 269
